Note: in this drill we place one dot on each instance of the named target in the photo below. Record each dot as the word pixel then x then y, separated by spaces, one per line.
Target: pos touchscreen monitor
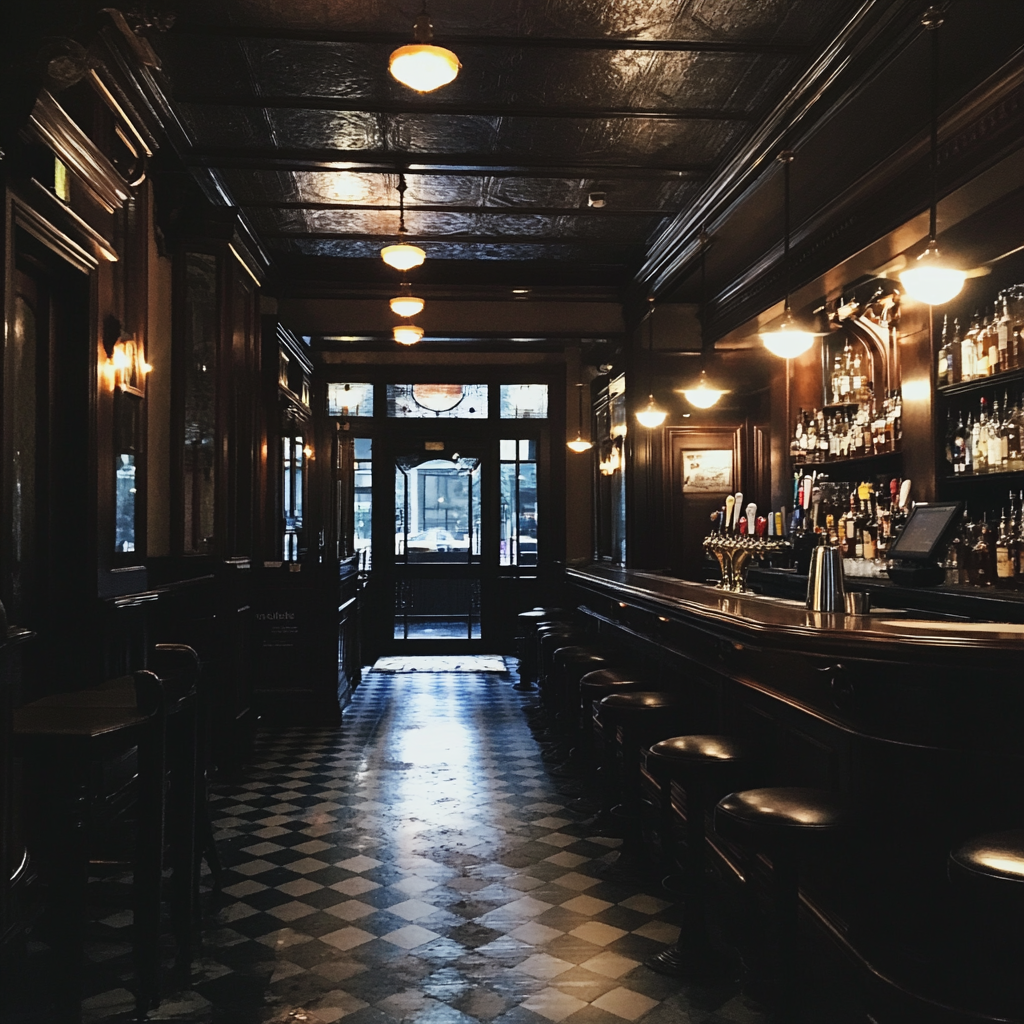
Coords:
pixel 927 530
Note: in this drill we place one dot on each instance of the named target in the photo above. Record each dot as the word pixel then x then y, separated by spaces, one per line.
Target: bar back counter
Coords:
pixel 918 721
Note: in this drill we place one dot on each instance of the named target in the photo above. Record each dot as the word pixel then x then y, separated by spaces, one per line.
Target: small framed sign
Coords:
pixel 707 472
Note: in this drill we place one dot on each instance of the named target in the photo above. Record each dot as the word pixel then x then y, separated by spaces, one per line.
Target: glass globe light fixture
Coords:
pixel 651 415
pixel 422 66
pixel 931 280
pixel 579 444
pixel 790 339
pixel 406 305
pixel 402 256
pixel 407 334
pixel 702 395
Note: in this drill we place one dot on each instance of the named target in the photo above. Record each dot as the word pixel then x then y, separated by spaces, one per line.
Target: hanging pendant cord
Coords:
pixel 932 19
pixel 703 299
pixel 401 204
pixel 786 156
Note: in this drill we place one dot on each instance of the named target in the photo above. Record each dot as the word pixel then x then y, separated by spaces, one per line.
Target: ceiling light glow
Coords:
pixel 407 334
pixel 403 256
pixel 406 305
pixel 931 280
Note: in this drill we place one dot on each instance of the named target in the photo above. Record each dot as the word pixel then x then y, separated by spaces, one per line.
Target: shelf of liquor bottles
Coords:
pixel 1011 379
pixel 853 467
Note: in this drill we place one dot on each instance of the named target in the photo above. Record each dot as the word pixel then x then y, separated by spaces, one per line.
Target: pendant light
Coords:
pixel 790 339
pixel 402 256
pixel 579 444
pixel 406 304
pixel 422 65
pixel 407 334
pixel 931 279
pixel 651 415
pixel 702 395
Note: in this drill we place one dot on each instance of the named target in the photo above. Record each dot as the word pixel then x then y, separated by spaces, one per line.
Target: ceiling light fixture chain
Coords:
pixel 790 339
pixel 702 394
pixel 930 278
pixel 402 256
pixel 651 415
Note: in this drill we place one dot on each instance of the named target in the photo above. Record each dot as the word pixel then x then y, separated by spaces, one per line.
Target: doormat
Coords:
pixel 442 663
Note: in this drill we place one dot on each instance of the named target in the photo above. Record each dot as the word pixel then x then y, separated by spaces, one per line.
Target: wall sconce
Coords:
pixel 127 367
pixel 307 453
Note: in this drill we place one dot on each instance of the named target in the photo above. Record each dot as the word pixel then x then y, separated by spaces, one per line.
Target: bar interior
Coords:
pixel 512 514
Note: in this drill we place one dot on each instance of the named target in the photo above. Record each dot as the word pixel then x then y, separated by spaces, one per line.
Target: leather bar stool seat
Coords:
pixel 992 863
pixel 781 816
pixel 785 822
pixel 987 875
pixel 550 639
pixel 630 722
pixel 705 767
pixel 569 664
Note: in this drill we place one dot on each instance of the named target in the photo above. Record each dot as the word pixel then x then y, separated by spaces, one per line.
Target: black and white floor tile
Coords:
pixel 418 864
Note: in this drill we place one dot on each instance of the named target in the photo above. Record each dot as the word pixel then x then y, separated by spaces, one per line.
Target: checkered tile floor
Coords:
pixel 417 865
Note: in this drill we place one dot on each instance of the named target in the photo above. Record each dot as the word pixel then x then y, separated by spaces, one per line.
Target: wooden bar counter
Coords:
pixel 918 720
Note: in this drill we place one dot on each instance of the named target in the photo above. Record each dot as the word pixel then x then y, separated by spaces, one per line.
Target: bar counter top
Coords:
pixel 772 622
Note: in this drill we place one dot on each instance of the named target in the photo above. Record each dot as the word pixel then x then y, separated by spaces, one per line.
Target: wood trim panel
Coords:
pixel 50 124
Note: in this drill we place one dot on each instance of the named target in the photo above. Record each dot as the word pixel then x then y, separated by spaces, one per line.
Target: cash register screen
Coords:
pixel 924 532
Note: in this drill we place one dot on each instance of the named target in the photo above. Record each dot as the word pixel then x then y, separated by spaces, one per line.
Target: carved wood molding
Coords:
pixel 50 124
pixel 78 252
pixel 984 127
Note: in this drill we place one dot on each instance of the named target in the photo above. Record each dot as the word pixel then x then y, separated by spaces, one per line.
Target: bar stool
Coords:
pixel 571 664
pixel 705 767
pixel 630 723
pixel 784 822
pixel 593 687
pixel 544 644
pixel 527 623
pixel 987 873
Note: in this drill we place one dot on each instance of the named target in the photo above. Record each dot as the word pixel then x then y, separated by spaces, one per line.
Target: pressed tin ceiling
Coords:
pixel 291 106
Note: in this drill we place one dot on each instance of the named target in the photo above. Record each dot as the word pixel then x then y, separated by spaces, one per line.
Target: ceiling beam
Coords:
pixel 494 211
pixel 462 238
pixel 366 106
pixel 725 46
pixel 363 161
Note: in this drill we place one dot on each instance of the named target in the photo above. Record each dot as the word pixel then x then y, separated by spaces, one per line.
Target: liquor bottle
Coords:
pixel 1003 329
pixel 897 419
pixel 837 372
pixel 979 441
pixel 983 556
pixel 995 459
pixel 943 375
pixel 966 535
pixel 955 355
pixel 1015 423
pixel 969 446
pixel 870 530
pixel 1017 347
pixel 959 447
pixel 1004 434
pixel 844 376
pixel 966 344
pixel 857 380
pixel 991 339
pixel 850 530
pixel 1004 556
pixel 977 336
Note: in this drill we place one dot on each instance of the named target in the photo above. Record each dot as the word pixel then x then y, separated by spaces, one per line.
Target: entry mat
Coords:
pixel 443 663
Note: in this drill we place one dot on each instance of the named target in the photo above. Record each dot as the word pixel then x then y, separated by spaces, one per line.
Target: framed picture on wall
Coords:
pixel 708 471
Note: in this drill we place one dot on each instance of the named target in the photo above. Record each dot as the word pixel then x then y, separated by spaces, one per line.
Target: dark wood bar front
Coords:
pixel 917 721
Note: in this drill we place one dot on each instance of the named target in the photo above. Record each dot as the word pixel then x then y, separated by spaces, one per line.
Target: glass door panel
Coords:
pixel 438 545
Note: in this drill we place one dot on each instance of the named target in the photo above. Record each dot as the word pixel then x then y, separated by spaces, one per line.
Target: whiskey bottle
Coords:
pixel 1003 329
pixel 983 556
pixel 1004 556
pixel 943 374
pixel 994 442
pixel 991 340
pixel 966 345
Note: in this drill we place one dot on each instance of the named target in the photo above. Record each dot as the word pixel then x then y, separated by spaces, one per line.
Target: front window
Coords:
pixel 518 502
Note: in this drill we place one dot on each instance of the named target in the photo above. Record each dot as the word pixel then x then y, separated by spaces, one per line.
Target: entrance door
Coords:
pixel 438 545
